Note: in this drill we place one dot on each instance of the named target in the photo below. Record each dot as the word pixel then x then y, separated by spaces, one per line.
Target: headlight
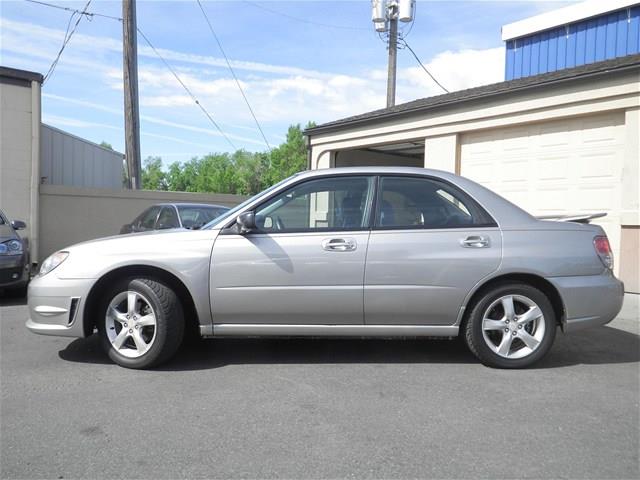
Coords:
pixel 12 247
pixel 52 262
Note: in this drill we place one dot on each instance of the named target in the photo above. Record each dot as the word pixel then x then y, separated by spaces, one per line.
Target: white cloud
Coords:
pixel 279 94
pixel 458 70
pixel 59 121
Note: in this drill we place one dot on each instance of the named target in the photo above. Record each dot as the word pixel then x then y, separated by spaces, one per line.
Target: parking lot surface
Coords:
pixel 320 408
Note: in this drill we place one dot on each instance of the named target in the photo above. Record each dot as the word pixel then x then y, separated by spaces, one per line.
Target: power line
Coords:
pixel 233 73
pixel 84 13
pixel 186 89
pixel 67 37
pixel 79 12
pixel 303 20
pixel 404 42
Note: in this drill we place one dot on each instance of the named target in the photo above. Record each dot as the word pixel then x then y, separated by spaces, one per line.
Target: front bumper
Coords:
pixel 56 306
pixel 589 301
pixel 14 270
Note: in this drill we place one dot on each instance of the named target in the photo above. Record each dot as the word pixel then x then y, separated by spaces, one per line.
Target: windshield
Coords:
pixel 225 216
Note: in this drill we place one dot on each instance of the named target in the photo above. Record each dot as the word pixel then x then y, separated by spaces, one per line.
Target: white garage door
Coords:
pixel 559 167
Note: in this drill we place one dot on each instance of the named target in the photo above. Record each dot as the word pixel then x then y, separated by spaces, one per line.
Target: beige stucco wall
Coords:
pixel 70 215
pixel 19 154
pixel 629 262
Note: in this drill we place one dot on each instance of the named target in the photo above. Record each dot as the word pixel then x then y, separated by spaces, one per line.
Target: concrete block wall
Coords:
pixel 71 215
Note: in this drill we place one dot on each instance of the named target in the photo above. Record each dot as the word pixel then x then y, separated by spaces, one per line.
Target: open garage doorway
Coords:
pixel 406 154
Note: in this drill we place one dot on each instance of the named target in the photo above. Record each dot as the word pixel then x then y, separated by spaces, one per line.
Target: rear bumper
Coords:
pixel 56 306
pixel 589 301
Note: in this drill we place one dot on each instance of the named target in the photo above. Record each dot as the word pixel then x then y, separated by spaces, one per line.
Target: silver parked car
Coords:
pixel 341 252
pixel 165 216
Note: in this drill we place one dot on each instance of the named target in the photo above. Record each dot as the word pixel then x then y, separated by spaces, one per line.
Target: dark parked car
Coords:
pixel 174 215
pixel 15 264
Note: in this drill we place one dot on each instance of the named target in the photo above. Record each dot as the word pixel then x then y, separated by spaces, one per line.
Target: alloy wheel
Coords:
pixel 513 326
pixel 130 324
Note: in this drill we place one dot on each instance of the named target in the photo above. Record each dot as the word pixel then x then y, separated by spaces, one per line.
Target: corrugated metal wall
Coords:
pixel 615 34
pixel 69 160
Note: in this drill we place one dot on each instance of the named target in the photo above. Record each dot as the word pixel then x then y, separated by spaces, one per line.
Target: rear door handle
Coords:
pixel 339 244
pixel 475 241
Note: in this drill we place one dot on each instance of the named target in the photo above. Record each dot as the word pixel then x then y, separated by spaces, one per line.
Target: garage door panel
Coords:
pixel 550 199
pixel 601 130
pixel 553 168
pixel 513 171
pixel 560 167
pixel 553 136
pixel 481 171
pixel 515 140
pixel 601 163
pixel 595 198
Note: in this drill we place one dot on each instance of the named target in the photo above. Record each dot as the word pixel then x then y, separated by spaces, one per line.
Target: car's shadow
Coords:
pixel 604 345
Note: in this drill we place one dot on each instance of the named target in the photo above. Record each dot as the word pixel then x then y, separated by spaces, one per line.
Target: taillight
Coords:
pixel 603 249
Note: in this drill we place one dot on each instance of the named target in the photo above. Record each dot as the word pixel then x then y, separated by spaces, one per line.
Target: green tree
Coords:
pixel 289 157
pixel 106 145
pixel 153 177
pixel 241 172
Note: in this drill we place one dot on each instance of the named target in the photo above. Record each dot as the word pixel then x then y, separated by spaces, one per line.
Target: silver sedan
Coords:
pixel 393 252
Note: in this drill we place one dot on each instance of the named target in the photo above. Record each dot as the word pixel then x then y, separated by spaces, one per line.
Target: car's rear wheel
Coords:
pixel 511 326
pixel 141 323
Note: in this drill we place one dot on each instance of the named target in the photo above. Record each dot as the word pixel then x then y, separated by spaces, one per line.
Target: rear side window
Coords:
pixel 413 202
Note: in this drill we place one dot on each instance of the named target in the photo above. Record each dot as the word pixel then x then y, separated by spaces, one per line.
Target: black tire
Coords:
pixel 169 318
pixel 472 329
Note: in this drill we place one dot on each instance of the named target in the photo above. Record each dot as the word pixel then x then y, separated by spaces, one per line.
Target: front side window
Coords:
pixel 197 216
pixel 412 202
pixel 334 203
pixel 148 219
pixel 168 219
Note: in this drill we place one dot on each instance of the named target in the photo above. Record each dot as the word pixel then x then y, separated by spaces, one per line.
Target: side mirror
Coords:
pixel 246 222
pixel 18 225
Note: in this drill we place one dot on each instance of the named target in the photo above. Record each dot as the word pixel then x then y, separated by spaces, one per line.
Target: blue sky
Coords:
pixel 292 70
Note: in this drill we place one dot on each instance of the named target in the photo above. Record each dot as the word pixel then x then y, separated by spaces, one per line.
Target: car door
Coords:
pixel 430 244
pixel 304 264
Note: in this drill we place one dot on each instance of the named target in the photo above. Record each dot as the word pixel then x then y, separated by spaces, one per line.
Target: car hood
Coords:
pixel 151 240
pixel 7 233
pixel 170 249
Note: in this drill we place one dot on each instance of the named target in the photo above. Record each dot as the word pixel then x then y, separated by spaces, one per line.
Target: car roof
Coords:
pixel 193 205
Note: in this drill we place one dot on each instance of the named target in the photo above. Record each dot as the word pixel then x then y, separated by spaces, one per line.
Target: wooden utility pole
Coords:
pixel 131 109
pixel 393 53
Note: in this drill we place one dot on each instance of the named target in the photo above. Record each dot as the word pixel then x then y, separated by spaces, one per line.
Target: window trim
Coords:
pixel 490 223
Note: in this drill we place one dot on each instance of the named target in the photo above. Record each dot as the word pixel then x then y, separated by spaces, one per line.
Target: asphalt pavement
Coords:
pixel 318 408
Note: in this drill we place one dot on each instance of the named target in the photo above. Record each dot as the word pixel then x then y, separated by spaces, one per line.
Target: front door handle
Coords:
pixel 339 244
pixel 475 241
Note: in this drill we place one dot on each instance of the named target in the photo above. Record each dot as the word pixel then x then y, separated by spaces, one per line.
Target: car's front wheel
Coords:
pixel 511 326
pixel 141 323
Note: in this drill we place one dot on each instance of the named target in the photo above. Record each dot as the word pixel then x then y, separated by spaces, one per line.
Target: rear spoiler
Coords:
pixel 581 218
